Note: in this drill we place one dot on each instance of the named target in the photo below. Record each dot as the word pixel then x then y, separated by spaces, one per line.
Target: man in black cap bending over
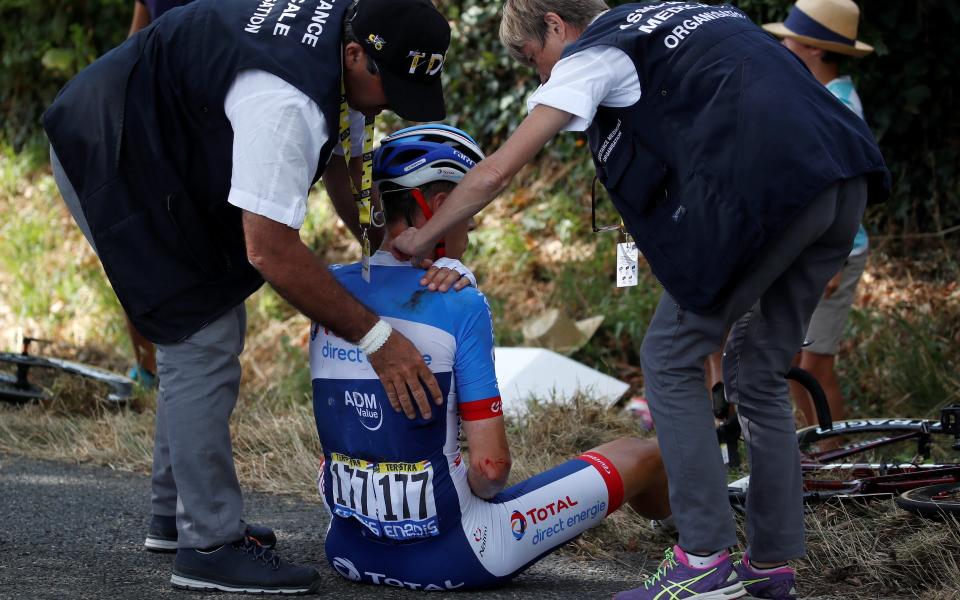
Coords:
pixel 185 155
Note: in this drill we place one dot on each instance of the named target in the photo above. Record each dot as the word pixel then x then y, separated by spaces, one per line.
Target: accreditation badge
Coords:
pixel 365 259
pixel 627 257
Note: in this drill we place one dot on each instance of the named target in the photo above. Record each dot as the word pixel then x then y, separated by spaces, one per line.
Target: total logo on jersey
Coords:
pixel 347 569
pixel 367 407
pixel 518 525
pixel 538 514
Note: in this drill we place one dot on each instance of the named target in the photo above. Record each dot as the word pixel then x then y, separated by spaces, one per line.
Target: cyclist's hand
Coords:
pixel 403 374
pixel 445 273
pixel 832 285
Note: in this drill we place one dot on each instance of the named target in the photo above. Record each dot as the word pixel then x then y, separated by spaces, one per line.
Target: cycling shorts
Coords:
pixel 498 538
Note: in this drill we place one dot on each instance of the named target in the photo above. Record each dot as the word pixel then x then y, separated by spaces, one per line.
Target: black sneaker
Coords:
pixel 162 535
pixel 243 567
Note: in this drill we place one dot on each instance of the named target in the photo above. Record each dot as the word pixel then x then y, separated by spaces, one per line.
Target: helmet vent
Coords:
pixel 406 156
pixel 447 163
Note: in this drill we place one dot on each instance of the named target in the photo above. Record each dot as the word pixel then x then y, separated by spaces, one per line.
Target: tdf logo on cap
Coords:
pixel 432 66
pixel 377 41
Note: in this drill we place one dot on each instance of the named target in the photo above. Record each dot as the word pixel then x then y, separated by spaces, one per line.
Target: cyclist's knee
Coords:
pixel 635 459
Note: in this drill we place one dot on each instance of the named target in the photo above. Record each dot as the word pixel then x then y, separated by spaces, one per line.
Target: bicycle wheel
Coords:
pixel 876 441
pixel 26 378
pixel 875 458
pixel 932 501
pixel 15 385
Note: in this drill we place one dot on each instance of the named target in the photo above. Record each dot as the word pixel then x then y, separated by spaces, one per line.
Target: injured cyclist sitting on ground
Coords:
pixel 406 509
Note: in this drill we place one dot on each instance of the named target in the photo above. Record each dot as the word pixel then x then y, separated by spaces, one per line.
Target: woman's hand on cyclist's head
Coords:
pixel 404 247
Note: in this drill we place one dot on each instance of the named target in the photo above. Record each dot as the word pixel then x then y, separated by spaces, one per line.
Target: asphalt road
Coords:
pixel 76 531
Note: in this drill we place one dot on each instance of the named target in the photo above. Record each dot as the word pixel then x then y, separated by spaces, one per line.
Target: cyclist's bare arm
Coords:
pixel 298 275
pixel 489 456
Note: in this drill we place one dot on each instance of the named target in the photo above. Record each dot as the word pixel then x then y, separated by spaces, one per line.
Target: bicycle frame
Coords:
pixel 877 479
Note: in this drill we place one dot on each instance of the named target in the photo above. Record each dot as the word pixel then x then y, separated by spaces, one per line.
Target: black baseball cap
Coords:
pixel 408 40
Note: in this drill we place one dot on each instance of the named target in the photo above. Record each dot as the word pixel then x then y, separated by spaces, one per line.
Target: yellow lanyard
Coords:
pixel 362 196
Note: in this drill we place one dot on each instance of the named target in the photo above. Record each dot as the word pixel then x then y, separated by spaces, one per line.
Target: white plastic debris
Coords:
pixel 525 373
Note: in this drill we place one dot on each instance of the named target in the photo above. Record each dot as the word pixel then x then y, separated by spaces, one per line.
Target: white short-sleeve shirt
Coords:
pixel 278 132
pixel 578 84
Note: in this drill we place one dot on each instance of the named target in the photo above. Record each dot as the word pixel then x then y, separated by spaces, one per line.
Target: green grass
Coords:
pixel 51 284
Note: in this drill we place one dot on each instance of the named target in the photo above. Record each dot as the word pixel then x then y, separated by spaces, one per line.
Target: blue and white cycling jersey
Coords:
pixel 389 480
pixel 402 479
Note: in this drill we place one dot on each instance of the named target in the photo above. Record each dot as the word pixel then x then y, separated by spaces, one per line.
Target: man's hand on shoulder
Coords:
pixel 276 251
pixel 401 369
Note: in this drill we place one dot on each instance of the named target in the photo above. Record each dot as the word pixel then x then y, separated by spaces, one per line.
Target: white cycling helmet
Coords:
pixel 422 154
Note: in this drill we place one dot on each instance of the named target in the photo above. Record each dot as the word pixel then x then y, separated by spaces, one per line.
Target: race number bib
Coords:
pixel 392 499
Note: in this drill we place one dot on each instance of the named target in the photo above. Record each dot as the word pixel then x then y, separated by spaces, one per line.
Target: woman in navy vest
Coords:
pixel 742 181
pixel 186 155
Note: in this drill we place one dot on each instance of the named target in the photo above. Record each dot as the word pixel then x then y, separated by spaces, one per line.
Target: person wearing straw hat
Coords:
pixel 829 25
pixel 742 181
pixel 821 33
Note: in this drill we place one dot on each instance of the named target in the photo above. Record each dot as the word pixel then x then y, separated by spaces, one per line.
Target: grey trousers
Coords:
pixel 193 473
pixel 766 314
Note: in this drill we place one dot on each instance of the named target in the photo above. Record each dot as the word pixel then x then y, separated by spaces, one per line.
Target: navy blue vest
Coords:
pixel 731 138
pixel 143 138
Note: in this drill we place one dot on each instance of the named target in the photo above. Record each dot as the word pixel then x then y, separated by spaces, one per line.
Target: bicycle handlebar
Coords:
pixel 804 378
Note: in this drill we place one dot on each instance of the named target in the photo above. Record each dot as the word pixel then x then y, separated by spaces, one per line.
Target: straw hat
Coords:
pixel 827 24
pixel 556 331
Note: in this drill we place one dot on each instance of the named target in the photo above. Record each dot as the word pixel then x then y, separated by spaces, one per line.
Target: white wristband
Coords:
pixel 375 338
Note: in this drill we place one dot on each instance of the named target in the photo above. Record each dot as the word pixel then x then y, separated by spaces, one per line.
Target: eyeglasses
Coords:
pixel 593 212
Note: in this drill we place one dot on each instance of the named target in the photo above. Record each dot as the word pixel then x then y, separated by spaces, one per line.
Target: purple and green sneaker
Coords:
pixel 779 584
pixel 677 580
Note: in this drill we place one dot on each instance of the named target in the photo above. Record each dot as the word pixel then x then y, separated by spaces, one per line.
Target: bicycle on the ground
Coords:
pixel 25 377
pixel 913 461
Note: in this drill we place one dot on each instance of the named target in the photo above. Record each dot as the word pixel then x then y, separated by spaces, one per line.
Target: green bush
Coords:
pixel 909 92
pixel 43 43
pixel 907 86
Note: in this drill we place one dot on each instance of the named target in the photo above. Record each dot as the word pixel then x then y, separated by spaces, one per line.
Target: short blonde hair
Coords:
pixel 523 20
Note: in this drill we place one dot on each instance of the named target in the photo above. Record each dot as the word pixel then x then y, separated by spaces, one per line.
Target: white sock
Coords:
pixel 702 562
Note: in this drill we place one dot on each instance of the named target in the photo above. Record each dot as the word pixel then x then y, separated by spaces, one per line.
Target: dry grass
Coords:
pixel 877 550
pixel 854 552
pixel 860 552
